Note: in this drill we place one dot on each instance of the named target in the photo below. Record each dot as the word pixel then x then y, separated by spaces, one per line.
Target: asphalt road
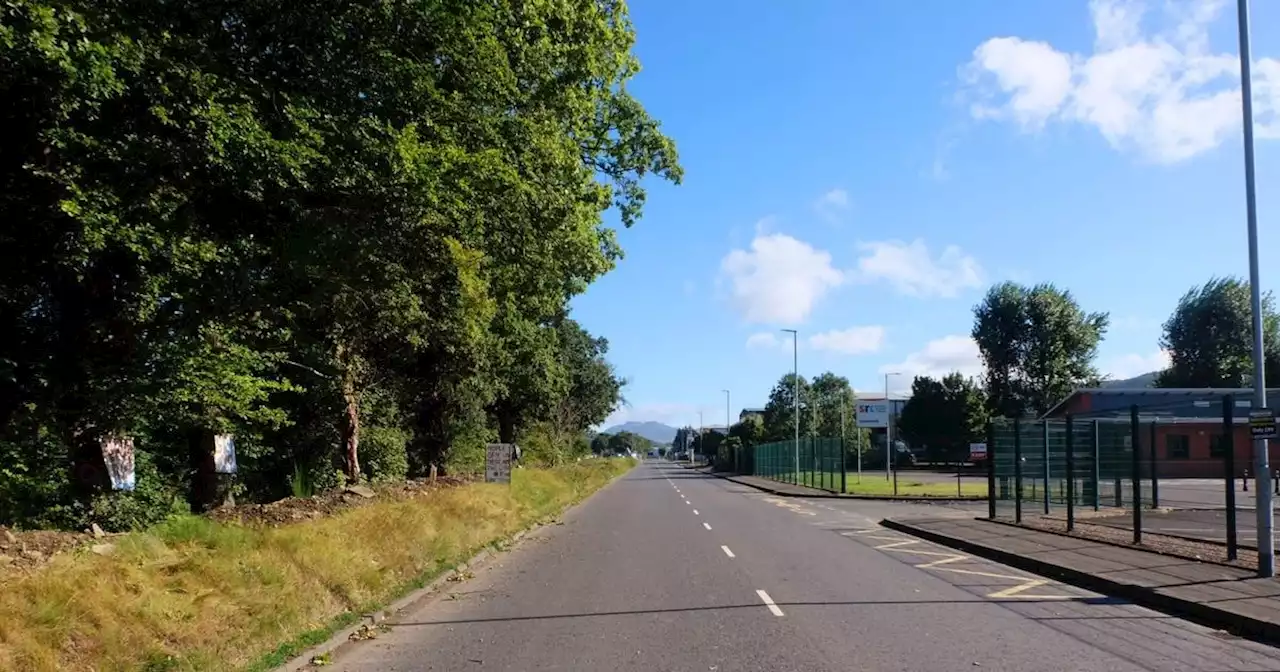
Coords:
pixel 670 569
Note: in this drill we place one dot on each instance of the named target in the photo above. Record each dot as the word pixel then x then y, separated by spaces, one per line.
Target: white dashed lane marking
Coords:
pixel 727 551
pixel 768 602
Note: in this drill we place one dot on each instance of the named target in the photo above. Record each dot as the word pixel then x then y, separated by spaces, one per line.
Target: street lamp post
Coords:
pixel 795 380
pixel 1262 463
pixel 727 425
pixel 702 438
pixel 888 427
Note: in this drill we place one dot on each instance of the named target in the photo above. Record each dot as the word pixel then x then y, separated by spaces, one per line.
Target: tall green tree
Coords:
pixel 1209 337
pixel 305 226
pixel 749 431
pixel 1037 345
pixel 831 401
pixel 944 415
pixel 780 410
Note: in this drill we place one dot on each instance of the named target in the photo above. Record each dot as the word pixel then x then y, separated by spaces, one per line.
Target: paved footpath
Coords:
pixel 671 569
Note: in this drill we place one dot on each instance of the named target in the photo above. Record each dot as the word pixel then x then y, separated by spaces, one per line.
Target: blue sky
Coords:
pixel 862 171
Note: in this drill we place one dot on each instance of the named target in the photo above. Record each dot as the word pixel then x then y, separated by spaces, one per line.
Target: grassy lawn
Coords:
pixel 193 594
pixel 875 484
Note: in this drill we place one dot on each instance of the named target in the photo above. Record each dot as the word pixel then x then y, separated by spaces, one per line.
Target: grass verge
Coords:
pixel 875 484
pixel 194 594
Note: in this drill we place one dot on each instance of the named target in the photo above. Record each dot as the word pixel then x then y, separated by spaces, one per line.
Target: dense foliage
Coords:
pixel 346 233
pixel 1037 345
pixel 943 416
pixel 1209 337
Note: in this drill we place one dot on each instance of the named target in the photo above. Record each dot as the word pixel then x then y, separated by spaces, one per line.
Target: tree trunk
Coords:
pixel 506 428
pixel 351 430
pixel 204 481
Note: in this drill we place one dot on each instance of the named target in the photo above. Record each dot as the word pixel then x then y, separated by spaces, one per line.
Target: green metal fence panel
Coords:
pixel 1033 456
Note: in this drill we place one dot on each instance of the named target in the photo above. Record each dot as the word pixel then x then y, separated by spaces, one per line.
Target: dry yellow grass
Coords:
pixel 193 594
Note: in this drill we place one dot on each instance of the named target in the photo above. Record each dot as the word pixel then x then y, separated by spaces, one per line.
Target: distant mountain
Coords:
pixel 1137 382
pixel 654 431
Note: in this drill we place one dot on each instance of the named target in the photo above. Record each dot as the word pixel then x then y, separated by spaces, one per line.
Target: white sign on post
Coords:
pixel 873 415
pixel 497 463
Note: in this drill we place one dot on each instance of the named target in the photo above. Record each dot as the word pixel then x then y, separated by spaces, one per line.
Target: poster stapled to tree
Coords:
pixel 224 454
pixel 117 454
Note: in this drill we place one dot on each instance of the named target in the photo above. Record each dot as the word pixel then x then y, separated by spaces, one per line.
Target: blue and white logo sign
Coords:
pixel 873 415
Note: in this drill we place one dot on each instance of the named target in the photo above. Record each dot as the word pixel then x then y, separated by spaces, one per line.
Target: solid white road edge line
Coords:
pixel 727 551
pixel 768 602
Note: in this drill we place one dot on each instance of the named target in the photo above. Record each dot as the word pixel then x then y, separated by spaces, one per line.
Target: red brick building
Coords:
pixel 1188 425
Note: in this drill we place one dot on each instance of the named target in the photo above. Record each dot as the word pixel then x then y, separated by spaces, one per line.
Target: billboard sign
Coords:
pixel 873 415
pixel 977 452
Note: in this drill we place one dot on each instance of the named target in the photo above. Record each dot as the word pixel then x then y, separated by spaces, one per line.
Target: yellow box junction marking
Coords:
pixel 900 545
pixel 792 506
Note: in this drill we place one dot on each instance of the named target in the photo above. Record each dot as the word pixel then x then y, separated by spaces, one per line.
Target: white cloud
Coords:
pixel 832 205
pixel 1036 77
pixel 852 341
pixel 764 340
pixel 938 358
pixel 838 198
pixel 913 271
pixel 1128 366
pixel 1163 93
pixel 779 280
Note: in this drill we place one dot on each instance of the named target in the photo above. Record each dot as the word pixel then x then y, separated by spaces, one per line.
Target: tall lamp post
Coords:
pixel 795 380
pixel 727 424
pixel 702 439
pixel 1262 463
pixel 888 427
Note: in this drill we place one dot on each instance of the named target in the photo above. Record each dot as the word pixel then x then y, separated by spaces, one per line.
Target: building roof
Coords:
pixel 1181 402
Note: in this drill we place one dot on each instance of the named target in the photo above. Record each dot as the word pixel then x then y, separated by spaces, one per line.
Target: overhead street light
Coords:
pixel 1262 462
pixel 888 426
pixel 795 380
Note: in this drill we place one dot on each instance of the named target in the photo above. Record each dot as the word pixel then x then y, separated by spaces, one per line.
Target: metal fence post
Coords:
pixel 812 452
pixel 1044 426
pixel 1071 475
pixel 1017 470
pixel 991 470
pixel 1097 468
pixel 1135 475
pixel 1155 477
pixel 1229 467
pixel 844 467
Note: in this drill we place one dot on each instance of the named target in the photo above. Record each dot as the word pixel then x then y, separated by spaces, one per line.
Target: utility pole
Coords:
pixel 795 379
pixel 728 424
pixel 1261 460
pixel 702 438
pixel 888 428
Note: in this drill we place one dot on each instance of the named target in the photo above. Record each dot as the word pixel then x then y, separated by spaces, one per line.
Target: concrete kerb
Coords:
pixel 1238 624
pixel 342 639
pixel 835 495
